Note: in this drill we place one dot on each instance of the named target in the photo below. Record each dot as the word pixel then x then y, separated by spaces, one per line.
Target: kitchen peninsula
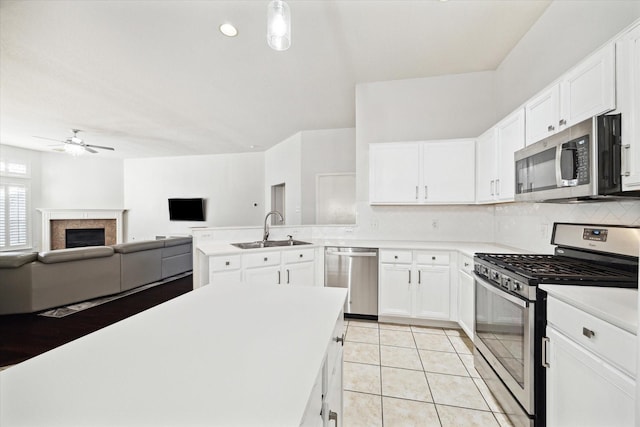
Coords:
pixel 220 355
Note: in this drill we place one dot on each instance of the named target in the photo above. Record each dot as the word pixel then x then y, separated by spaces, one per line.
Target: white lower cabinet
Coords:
pixel 590 372
pixel 325 406
pixel 285 267
pixel 415 284
pixel 466 296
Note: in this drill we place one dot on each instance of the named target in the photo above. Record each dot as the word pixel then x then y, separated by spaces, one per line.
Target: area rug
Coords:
pixel 81 306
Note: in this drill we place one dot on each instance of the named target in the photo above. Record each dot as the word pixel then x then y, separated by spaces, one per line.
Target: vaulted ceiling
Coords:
pixel 157 78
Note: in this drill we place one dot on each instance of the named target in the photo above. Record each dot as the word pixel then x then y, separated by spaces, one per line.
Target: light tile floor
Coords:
pixel 404 376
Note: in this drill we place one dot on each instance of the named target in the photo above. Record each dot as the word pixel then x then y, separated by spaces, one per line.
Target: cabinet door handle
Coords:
pixel 493 186
pixel 588 332
pixel 278 277
pixel 416 192
pixel 562 122
pixel 333 416
pixel 226 263
pixel 551 128
pixel 426 192
pixel 627 152
pixel 419 277
pixel 466 264
pixel 287 276
pixel 340 340
pixel 409 276
pixel 497 187
pixel 545 351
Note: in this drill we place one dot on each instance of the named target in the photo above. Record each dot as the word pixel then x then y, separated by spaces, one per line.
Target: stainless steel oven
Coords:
pixel 505 338
pixel 510 317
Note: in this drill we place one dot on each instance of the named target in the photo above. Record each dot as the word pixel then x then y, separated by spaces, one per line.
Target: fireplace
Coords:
pixel 55 222
pixel 79 237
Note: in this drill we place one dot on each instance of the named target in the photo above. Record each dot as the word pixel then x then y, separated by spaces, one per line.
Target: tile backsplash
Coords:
pixel 529 225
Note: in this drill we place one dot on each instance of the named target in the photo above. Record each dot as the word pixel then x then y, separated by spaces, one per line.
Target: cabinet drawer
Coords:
pixel 261 259
pixel 298 255
pixel 466 264
pixel 393 256
pixel 222 263
pixel 433 258
pixel 606 340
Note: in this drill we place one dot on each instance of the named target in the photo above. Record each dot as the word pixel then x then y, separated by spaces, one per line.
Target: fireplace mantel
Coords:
pixel 78 214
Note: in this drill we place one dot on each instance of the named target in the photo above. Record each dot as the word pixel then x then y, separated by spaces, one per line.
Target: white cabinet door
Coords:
pixel 628 91
pixel 542 114
pixel 263 275
pixel 394 172
pixel 395 290
pixel 486 167
pixel 583 390
pixel 589 89
pixel 448 171
pixel 510 139
pixel 299 274
pixel 466 303
pixel 433 293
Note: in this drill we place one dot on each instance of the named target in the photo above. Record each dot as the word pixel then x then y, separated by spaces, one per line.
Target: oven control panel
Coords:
pixel 595 234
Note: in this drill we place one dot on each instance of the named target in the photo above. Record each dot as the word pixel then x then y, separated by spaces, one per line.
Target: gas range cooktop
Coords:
pixel 536 269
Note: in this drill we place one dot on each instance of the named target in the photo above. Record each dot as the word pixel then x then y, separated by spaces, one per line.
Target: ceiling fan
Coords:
pixel 75 145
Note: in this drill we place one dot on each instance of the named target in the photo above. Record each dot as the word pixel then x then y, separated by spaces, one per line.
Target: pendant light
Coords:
pixel 278 25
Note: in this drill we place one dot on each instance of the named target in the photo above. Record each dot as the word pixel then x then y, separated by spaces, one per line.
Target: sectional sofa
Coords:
pixel 31 282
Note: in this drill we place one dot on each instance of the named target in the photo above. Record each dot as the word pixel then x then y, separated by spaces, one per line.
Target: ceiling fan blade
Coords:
pixel 49 139
pixel 100 146
pixel 91 150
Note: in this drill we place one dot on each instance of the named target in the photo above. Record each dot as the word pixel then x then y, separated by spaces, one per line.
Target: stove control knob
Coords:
pixel 517 286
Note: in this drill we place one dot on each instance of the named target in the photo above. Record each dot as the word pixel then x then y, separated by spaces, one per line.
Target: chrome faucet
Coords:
pixel 265 234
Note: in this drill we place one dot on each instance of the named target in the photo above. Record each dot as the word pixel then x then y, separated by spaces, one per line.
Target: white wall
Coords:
pixel 230 183
pixel 567 32
pixel 88 181
pixel 282 164
pixel 454 106
pixel 324 151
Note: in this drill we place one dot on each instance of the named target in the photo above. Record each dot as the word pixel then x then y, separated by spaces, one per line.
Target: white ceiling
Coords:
pixel 157 78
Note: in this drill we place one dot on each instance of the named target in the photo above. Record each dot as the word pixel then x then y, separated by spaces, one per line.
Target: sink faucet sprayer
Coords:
pixel 265 234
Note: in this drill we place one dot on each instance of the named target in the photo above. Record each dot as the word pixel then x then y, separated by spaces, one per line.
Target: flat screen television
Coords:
pixel 186 209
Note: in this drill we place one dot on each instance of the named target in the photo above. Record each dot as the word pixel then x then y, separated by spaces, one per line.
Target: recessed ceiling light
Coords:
pixel 228 30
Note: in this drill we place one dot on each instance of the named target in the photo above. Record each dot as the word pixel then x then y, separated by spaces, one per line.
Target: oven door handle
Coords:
pixel 500 292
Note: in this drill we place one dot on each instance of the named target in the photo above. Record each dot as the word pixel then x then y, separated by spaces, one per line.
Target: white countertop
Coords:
pixel 617 306
pixel 220 355
pixel 467 248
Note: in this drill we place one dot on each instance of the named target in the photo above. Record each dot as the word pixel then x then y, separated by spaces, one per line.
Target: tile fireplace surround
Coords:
pixel 56 221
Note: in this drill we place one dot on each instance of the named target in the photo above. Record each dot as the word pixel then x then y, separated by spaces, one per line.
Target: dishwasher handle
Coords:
pixel 353 254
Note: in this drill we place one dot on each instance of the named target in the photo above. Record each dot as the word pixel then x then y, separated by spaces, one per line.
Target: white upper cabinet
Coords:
pixel 495 177
pixel 428 172
pixel 448 170
pixel 588 89
pixel 542 114
pixel 510 139
pixel 486 166
pixel 628 91
pixel 585 91
pixel 394 172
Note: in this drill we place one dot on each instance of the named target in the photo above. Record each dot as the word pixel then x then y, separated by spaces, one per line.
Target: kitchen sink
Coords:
pixel 269 244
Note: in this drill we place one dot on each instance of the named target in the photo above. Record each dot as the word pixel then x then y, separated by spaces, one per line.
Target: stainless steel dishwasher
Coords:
pixel 355 269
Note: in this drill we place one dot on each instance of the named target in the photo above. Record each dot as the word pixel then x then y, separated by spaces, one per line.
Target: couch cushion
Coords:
pixel 73 254
pixel 175 241
pixel 145 245
pixel 16 259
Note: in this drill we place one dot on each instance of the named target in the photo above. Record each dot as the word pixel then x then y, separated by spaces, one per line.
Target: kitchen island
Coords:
pixel 220 356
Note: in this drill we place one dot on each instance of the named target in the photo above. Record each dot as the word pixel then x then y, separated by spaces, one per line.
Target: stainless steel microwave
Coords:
pixel 580 163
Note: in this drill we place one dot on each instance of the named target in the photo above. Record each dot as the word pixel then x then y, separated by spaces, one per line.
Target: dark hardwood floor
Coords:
pixel 23 336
